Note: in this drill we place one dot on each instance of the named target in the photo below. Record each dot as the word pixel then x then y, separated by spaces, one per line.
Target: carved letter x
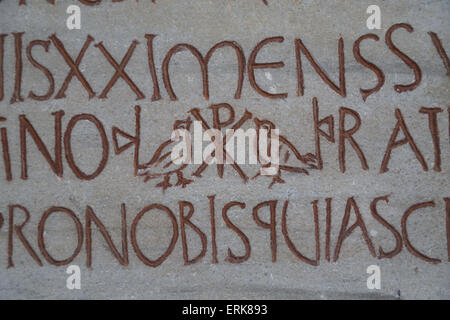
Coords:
pixel 247 115
pixel 120 70
pixel 74 66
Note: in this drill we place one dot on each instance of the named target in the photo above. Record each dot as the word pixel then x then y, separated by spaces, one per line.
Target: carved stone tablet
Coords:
pixel 224 149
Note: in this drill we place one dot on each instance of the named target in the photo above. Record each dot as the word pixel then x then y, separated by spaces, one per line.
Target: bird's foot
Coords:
pixel 165 183
pixel 276 179
pixel 183 182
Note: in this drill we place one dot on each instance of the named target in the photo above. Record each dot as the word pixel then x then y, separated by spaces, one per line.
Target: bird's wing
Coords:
pixel 157 155
pixel 161 162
